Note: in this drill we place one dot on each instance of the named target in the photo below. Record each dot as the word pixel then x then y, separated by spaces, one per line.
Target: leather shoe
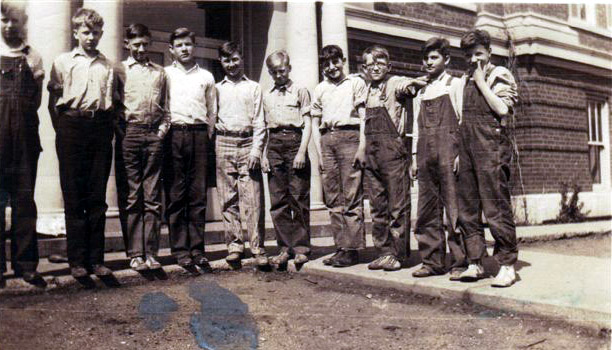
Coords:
pixel 185 261
pixel 233 257
pixel 330 261
pixel 33 278
pixel 78 272
pixel 101 270
pixel 347 258
pixel 280 259
pixel 391 263
pixel 424 271
pixel 377 264
pixel 300 259
pixel 200 259
pixel 455 273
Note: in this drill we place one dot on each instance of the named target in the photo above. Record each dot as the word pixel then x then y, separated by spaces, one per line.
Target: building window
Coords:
pixel 590 14
pixel 599 144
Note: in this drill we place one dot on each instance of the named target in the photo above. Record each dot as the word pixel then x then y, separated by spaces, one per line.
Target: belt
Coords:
pixel 285 130
pixel 339 128
pixel 189 126
pixel 75 113
pixel 234 133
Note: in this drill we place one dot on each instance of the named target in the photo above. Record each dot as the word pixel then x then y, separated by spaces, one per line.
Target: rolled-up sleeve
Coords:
pixel 304 100
pixel 360 92
pixel 316 108
pixel 504 86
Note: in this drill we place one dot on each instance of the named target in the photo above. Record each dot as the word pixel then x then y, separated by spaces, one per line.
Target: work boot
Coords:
pixel 347 258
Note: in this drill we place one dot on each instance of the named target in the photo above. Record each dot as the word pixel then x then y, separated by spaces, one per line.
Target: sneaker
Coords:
pixel 152 263
pixel 391 263
pixel 473 273
pixel 346 258
pixel 101 270
pixel 261 260
pixel 377 264
pixel 78 272
pixel 455 273
pixel 424 271
pixel 505 277
pixel 138 264
pixel 233 257
pixel 300 259
pixel 280 259
pixel 330 261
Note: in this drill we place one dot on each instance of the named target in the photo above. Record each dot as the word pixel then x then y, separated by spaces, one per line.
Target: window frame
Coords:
pixel 599 136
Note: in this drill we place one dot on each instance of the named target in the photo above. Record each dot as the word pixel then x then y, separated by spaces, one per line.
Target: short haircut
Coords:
pixel 278 56
pixel 180 33
pixel 377 52
pixel 436 44
pixel 137 30
pixel 87 17
pixel 476 37
pixel 17 8
pixel 229 48
pixel 330 52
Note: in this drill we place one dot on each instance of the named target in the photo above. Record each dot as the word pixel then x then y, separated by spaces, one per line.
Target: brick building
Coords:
pixel 560 54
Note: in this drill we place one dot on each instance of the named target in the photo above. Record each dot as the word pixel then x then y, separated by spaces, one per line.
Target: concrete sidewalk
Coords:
pixel 574 289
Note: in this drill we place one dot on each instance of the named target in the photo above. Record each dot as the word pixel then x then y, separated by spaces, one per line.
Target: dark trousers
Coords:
pixel 19 152
pixel 289 193
pixel 84 149
pixel 484 176
pixel 343 188
pixel 142 156
pixel 437 148
pixel 121 181
pixel 388 185
pixel 184 170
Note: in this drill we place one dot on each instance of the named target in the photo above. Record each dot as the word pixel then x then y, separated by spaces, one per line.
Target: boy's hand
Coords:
pixel 478 74
pixel 420 81
pixel 253 163
pixel 456 165
pixel 413 168
pixel 360 159
pixel 161 135
pixel 300 161
pixel 265 164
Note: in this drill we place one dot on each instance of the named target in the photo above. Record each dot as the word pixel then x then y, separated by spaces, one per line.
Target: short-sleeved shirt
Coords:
pixel 286 106
pixel 192 95
pixel 390 93
pixel 143 93
pixel 500 80
pixel 32 57
pixel 82 82
pixel 240 110
pixel 336 103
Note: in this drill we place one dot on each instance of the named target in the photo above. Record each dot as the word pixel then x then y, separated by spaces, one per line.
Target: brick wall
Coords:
pixel 560 11
pixel 430 12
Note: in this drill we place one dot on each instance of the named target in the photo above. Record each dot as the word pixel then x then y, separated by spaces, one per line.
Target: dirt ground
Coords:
pixel 279 310
pixel 594 245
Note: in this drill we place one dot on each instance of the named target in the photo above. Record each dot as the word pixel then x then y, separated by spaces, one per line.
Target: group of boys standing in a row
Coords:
pixel 164 120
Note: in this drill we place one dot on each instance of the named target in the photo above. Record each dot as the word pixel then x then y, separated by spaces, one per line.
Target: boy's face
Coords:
pixel 139 48
pixel 232 65
pixel 376 68
pixel 435 63
pixel 280 72
pixel 476 54
pixel 12 25
pixel 333 68
pixel 182 49
pixel 88 37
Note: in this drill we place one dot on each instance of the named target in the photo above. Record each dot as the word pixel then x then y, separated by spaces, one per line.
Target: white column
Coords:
pixel 49 33
pixel 333 27
pixel 301 32
pixel 111 45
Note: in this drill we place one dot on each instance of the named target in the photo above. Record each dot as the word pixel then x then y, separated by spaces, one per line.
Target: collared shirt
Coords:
pixel 192 95
pixel 143 94
pixel 336 103
pixel 240 110
pixel 32 57
pixel 444 84
pixel 502 83
pixel 286 106
pixel 82 82
pixel 390 93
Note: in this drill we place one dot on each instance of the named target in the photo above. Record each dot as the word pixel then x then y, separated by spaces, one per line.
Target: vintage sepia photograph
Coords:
pixel 242 175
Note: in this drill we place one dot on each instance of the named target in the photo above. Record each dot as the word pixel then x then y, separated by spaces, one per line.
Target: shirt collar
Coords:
pixel 177 65
pixel 286 87
pixel 21 49
pixel 440 78
pixel 78 51
pixel 131 61
pixel 227 80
